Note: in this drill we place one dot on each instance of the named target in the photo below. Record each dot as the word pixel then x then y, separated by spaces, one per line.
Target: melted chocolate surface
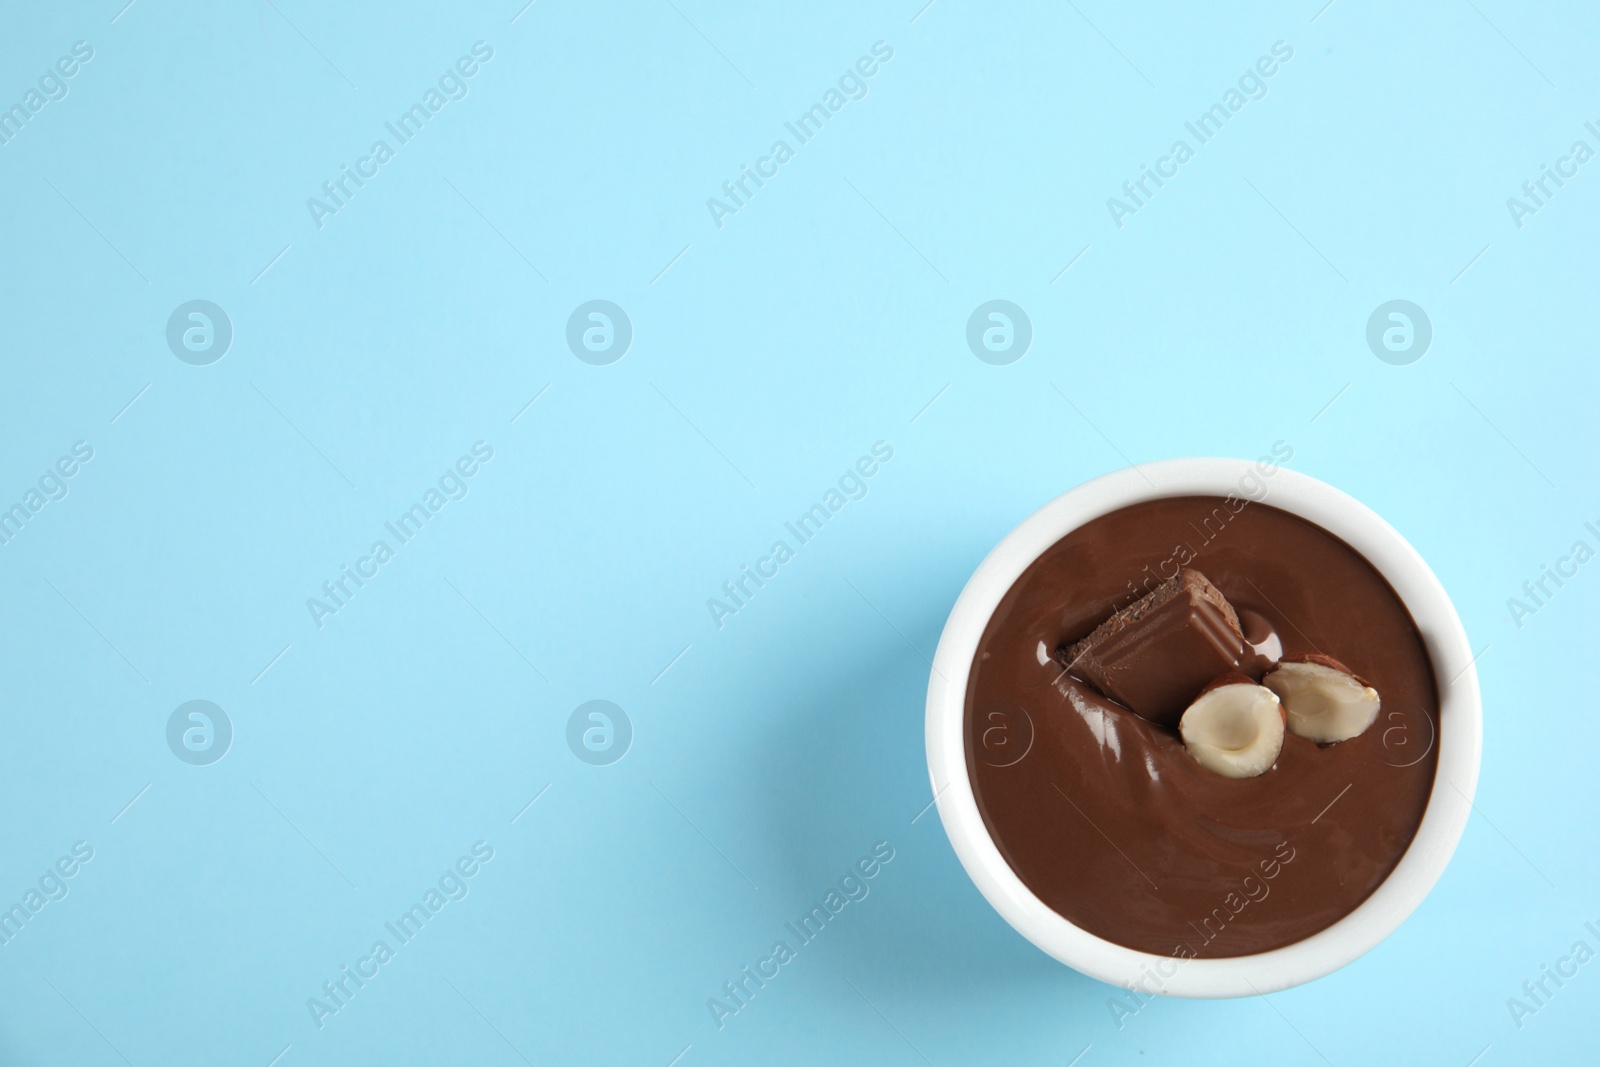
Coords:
pixel 1106 817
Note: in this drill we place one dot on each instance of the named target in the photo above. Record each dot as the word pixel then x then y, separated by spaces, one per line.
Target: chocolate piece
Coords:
pixel 1156 654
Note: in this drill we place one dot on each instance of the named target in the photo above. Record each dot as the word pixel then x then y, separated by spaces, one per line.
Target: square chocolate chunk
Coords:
pixel 1156 654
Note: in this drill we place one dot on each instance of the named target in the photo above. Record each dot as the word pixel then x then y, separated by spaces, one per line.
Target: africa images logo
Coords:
pixel 999 332
pixel 199 332
pixel 851 85
pixel 199 732
pixel 1399 332
pixel 599 332
pixel 599 733
pixel 1252 85
pixel 52 87
pixel 451 85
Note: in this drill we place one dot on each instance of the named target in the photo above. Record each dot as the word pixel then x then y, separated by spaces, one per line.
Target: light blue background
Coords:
pixel 823 317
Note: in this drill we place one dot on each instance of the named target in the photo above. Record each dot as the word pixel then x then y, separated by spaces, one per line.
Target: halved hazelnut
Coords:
pixel 1234 727
pixel 1325 700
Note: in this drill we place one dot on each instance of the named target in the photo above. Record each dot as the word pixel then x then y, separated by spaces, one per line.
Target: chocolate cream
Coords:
pixel 1106 817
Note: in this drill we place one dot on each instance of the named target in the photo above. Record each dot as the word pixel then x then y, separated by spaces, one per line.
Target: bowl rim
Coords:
pixel 1460 735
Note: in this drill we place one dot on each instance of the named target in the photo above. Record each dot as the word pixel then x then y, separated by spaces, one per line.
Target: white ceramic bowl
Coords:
pixel 1460 736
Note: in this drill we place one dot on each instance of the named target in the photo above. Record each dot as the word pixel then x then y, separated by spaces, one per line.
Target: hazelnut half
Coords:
pixel 1234 727
pixel 1324 699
